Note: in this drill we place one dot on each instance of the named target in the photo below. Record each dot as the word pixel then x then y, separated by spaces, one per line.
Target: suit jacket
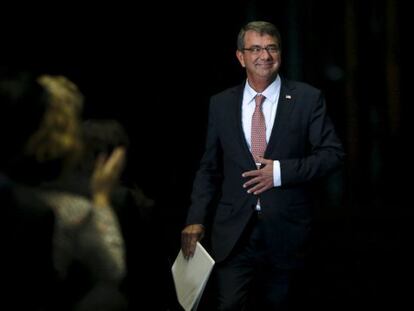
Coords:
pixel 303 139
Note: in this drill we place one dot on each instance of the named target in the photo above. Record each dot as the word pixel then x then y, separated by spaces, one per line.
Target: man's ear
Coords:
pixel 240 57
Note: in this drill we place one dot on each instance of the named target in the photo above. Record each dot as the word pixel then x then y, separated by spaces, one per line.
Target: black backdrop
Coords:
pixel 154 67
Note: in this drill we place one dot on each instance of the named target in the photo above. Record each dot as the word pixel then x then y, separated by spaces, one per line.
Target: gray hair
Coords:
pixel 261 27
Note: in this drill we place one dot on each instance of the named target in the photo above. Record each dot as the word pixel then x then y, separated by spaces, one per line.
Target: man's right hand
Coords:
pixel 189 237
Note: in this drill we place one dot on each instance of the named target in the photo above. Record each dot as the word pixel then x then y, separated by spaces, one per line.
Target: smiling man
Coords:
pixel 267 140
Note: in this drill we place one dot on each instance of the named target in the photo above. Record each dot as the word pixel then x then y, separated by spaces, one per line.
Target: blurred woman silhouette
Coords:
pixel 83 260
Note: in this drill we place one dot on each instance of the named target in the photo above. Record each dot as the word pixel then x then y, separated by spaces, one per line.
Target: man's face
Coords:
pixel 260 63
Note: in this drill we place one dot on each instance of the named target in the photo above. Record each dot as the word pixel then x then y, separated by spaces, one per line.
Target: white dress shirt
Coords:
pixel 269 108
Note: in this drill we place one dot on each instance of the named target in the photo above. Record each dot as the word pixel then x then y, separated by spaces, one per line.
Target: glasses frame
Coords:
pixel 256 49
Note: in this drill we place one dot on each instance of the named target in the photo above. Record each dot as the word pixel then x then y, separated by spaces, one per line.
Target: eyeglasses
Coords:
pixel 255 49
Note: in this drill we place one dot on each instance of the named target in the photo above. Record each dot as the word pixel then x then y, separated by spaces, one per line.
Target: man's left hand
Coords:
pixel 260 179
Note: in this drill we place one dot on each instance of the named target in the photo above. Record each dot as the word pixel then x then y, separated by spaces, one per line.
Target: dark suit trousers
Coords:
pixel 249 275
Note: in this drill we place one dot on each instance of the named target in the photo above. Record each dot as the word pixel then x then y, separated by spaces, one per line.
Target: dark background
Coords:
pixel 154 66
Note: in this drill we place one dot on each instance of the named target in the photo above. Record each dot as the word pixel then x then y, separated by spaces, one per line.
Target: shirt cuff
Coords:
pixel 277 181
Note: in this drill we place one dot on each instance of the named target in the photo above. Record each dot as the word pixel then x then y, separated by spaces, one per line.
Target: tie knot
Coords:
pixel 259 99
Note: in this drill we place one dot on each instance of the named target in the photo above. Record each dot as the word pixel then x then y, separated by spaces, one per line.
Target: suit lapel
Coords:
pixel 246 158
pixel 284 107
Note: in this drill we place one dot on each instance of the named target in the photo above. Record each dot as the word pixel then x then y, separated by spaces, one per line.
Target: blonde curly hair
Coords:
pixel 59 133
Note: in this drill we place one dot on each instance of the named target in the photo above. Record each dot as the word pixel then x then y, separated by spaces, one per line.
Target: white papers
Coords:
pixel 190 277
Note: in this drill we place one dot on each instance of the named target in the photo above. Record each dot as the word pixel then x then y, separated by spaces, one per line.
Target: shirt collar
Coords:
pixel 271 92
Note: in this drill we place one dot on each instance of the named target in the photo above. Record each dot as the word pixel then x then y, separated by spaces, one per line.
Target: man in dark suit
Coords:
pixel 259 199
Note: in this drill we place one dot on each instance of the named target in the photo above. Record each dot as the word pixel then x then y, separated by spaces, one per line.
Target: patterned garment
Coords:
pixel 258 135
pixel 89 235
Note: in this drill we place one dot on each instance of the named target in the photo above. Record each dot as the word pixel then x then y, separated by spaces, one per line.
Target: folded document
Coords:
pixel 191 276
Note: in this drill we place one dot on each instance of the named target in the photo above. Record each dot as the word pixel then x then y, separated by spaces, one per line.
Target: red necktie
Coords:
pixel 258 134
